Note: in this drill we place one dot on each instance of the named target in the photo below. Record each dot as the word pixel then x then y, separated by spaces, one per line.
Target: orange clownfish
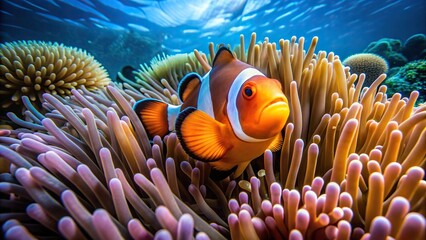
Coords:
pixel 228 117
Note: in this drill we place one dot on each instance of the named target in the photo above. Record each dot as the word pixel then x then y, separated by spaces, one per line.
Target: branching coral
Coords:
pixel 349 166
pixel 31 68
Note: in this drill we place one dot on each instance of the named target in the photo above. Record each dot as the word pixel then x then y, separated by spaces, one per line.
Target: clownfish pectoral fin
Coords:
pixel 190 83
pixel 200 135
pixel 155 116
pixel 218 175
pixel 276 144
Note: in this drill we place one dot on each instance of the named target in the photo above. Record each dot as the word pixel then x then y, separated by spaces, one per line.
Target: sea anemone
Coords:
pixel 370 64
pixel 348 168
pixel 31 68
pixel 161 78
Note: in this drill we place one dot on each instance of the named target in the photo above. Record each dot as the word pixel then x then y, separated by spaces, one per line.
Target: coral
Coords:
pixel 349 167
pixel 31 68
pixel 398 54
pixel 371 65
pixel 415 47
pixel 384 45
pixel 389 49
pixel 410 77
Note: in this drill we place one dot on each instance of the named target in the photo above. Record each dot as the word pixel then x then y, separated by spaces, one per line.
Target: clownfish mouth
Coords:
pixel 275 106
pixel 276 101
pixel 273 116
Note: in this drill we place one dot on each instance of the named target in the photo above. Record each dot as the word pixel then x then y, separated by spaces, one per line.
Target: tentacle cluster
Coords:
pixel 31 68
pixel 351 166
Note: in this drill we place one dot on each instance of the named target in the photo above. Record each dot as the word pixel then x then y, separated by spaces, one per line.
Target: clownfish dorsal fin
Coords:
pixel 276 144
pixel 223 56
pixel 188 84
pixel 201 136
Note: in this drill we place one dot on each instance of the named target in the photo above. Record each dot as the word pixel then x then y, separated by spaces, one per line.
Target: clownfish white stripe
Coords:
pixel 232 109
pixel 172 114
pixel 204 102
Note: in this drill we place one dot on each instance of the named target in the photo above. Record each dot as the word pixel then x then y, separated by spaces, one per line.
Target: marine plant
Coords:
pixel 32 68
pixel 349 168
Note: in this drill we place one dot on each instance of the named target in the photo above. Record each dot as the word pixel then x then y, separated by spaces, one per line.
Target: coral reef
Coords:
pixel 415 47
pixel 396 53
pixel 127 44
pixel 371 65
pixel 410 77
pixel 389 49
pixel 31 68
pixel 405 72
pixel 349 168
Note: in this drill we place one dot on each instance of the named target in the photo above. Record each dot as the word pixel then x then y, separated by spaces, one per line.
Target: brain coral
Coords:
pixel 371 64
pixel 31 68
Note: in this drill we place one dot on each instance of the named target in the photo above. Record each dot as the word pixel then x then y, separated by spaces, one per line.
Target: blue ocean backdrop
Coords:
pixel 131 32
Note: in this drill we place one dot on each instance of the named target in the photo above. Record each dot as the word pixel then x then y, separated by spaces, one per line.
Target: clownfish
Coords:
pixel 228 117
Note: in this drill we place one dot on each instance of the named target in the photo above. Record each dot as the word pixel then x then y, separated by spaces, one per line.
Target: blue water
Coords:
pixel 130 32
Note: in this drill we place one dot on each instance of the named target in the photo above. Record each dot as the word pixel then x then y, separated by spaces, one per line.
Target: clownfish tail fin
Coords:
pixel 157 117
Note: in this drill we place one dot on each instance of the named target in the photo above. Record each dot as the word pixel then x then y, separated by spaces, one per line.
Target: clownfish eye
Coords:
pixel 249 91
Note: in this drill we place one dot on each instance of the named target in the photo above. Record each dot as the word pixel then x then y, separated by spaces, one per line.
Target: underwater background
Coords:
pixel 131 32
